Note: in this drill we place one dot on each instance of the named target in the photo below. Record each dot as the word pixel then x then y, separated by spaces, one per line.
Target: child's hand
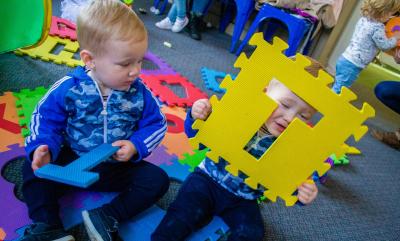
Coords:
pixel 201 109
pixel 396 56
pixel 41 157
pixel 126 151
pixel 307 192
pixel 396 34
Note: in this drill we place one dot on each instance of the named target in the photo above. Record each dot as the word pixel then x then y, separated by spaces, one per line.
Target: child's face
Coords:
pixel 119 66
pixel 289 107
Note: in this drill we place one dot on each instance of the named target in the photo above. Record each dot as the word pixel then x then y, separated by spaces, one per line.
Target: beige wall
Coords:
pixel 344 39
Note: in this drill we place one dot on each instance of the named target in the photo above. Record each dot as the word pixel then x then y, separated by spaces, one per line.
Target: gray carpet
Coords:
pixel 359 201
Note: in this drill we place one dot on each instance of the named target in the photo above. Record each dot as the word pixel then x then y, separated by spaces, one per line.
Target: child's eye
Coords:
pixel 304 117
pixel 285 105
pixel 124 64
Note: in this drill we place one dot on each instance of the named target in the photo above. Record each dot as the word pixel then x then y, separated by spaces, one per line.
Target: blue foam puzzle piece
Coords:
pixel 210 78
pixel 77 172
pixel 177 170
pixel 144 224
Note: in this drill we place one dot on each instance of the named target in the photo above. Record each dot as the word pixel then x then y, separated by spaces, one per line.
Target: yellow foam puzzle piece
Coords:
pixel 44 50
pixel 353 150
pixel 300 149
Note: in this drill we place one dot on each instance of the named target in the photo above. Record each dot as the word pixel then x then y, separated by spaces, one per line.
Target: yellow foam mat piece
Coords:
pixel 44 50
pixel 300 149
pixel 352 150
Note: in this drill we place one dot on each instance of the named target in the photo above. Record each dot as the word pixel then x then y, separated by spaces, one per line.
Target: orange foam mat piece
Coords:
pixel 9 137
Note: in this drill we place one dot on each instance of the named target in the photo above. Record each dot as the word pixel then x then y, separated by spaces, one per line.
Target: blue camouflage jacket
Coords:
pixel 74 112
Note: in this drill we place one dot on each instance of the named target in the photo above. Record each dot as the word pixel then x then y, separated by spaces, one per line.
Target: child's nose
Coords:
pixel 289 116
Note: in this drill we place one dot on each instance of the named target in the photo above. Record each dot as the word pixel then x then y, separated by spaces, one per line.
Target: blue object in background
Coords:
pixel 296 27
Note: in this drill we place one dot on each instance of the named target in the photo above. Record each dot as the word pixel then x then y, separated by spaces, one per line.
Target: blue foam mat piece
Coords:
pixel 144 224
pixel 177 170
pixel 76 173
pixel 210 76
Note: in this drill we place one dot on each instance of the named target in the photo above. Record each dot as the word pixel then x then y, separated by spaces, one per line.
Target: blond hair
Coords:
pixel 377 9
pixel 104 20
pixel 312 69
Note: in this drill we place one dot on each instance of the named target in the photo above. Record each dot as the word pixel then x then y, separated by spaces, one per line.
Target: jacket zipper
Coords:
pixel 104 112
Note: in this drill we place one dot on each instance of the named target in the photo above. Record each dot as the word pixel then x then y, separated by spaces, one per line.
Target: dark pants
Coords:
pixel 389 93
pixel 139 185
pixel 198 200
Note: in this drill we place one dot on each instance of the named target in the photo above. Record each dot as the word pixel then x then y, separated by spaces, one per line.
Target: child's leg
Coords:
pixel 41 195
pixel 192 209
pixel 346 74
pixel 244 220
pixel 199 6
pixel 172 13
pixel 140 185
pixel 181 8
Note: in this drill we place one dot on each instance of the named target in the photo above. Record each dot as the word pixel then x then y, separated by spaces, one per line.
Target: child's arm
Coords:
pixel 307 192
pixel 201 109
pixel 396 55
pixel 384 43
pixel 151 127
pixel 47 125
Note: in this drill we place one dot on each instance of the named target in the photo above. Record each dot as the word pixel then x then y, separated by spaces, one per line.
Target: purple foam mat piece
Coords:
pixel 163 67
pixel 14 213
pixel 74 203
pixel 160 156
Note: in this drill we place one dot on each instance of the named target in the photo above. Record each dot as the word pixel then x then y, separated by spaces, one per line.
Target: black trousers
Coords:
pixel 198 200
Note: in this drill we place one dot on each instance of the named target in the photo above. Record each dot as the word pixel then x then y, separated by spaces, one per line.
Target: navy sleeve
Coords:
pixel 188 124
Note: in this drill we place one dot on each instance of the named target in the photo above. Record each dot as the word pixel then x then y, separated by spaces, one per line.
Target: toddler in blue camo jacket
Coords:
pixel 103 102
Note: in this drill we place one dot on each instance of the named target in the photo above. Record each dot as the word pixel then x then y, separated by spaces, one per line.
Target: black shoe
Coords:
pixel 99 226
pixel 42 231
pixel 194 26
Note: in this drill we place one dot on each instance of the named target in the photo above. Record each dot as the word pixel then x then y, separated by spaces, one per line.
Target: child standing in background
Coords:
pixel 103 102
pixel 368 38
pixel 176 19
pixel 210 190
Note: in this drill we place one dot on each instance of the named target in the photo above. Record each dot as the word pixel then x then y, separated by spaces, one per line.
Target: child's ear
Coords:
pixel 87 58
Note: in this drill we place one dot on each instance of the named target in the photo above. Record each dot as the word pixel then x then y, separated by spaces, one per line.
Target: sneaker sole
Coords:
pixel 90 229
pixel 179 30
